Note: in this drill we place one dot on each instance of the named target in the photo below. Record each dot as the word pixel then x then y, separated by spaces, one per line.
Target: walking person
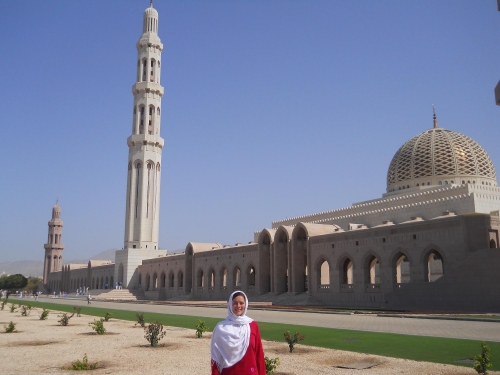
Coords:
pixel 89 297
pixel 236 346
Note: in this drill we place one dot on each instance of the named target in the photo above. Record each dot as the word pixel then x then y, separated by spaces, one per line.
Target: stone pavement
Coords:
pixel 487 331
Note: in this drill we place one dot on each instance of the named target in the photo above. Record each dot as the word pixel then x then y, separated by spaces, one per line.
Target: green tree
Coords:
pixel 16 281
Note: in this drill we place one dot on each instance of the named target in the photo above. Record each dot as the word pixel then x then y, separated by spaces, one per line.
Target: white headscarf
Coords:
pixel 231 337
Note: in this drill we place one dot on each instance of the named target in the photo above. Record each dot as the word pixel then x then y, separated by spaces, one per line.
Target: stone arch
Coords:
pixel 200 280
pixel 265 245
pixel 171 279
pixel 211 278
pixel 106 283
pixel 251 276
pixel 237 277
pixel 180 279
pixel 223 277
pixel 148 281
pixel 111 283
pixel 433 264
pixel 372 268
pixel 281 262
pixel 346 268
pixel 162 279
pixel 493 244
pixel 401 267
pixel 299 259
pixel 140 280
pixel 189 254
pixel 322 271
pixel 155 281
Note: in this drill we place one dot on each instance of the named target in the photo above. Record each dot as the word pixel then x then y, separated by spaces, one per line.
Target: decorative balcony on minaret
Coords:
pixel 144 157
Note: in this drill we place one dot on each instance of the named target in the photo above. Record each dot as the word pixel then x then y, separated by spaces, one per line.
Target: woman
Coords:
pixel 236 345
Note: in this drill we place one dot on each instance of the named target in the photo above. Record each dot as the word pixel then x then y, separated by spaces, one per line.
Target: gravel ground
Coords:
pixel 45 347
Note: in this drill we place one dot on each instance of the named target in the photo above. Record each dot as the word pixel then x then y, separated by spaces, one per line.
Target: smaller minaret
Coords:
pixel 54 246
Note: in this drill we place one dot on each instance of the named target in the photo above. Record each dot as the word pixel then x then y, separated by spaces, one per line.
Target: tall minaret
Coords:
pixel 54 247
pixel 145 144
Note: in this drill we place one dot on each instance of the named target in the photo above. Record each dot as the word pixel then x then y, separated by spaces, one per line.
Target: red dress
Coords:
pixel 252 362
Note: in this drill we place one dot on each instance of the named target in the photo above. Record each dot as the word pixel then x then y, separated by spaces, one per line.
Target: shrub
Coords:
pixel 10 328
pixel 140 319
pixel 13 308
pixel 82 365
pixel 77 309
pixel 98 326
pixel 200 328
pixel 44 314
pixel 154 333
pixel 292 340
pixel 483 361
pixel 271 364
pixel 108 316
pixel 64 321
pixel 26 310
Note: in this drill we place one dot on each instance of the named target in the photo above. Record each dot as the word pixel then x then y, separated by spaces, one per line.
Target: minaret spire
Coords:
pixel 54 247
pixel 434 117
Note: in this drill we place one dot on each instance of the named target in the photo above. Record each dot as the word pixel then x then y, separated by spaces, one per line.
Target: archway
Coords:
pixel 372 270
pixel 237 277
pixel 493 244
pixel 155 281
pixel 211 279
pixel 163 280
pixel 200 280
pixel 180 279
pixel 323 274
pixel 402 269
pixel 299 261
pixel 347 272
pixel 251 277
pixel 435 266
pixel 223 278
pixel 281 262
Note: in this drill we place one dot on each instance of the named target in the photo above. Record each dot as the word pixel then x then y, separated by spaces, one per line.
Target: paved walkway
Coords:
pixel 488 331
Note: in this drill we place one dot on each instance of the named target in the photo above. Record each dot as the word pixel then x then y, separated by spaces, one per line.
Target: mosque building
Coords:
pixel 429 243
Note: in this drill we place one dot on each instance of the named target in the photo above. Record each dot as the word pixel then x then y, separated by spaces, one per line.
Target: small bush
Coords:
pixel 154 333
pixel 200 328
pixel 108 316
pixel 271 364
pixel 64 321
pixel 82 365
pixel 77 309
pixel 13 308
pixel 292 340
pixel 10 328
pixel 483 361
pixel 26 310
pixel 98 326
pixel 140 319
pixel 44 314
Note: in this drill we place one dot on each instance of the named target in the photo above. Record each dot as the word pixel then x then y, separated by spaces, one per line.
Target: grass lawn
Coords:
pixel 419 348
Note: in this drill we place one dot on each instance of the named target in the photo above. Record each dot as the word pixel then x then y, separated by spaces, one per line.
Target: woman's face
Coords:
pixel 238 305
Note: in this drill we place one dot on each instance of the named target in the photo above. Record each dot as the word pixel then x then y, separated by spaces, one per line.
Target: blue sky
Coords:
pixel 272 109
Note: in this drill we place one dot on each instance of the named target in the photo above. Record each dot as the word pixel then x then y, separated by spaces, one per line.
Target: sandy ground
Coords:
pixel 41 346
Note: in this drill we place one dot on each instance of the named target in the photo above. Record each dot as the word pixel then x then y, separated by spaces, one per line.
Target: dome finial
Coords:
pixel 150 3
pixel 434 117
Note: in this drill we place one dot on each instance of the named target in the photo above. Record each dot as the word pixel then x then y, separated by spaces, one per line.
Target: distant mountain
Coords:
pixel 24 267
pixel 35 267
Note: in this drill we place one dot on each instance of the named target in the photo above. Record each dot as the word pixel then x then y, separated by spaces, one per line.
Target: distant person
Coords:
pixel 89 297
pixel 236 346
